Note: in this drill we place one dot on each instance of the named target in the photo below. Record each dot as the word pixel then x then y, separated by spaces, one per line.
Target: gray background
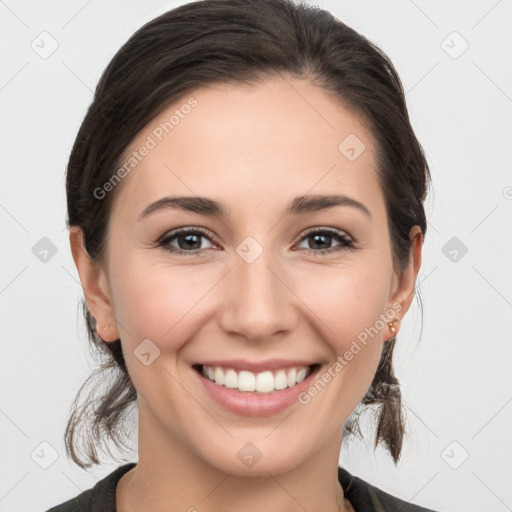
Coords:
pixel 455 379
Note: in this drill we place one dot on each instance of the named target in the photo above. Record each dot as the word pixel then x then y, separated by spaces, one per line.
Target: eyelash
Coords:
pixel 347 243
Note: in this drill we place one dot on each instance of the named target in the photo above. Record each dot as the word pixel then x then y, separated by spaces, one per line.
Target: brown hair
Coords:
pixel 235 41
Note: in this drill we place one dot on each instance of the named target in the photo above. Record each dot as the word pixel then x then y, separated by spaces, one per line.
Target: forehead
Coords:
pixel 261 143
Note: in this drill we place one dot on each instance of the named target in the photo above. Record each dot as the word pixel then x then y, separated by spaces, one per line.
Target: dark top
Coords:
pixel 363 496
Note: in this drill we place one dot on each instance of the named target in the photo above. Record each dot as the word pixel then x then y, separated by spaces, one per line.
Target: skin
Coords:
pixel 283 142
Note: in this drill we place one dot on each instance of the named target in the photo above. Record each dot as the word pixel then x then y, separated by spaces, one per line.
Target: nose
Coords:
pixel 259 304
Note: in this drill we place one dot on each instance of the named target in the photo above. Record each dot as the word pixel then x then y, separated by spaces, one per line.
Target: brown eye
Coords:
pixel 188 241
pixel 318 240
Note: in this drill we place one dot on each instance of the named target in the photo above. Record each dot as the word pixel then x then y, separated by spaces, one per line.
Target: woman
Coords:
pixel 245 201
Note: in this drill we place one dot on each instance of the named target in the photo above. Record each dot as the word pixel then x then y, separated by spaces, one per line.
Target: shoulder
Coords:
pixel 365 497
pixel 101 497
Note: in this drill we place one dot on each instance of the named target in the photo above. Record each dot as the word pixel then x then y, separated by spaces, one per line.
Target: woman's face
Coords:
pixel 274 284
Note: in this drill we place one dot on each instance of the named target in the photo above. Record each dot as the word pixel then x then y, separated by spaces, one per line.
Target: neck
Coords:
pixel 170 472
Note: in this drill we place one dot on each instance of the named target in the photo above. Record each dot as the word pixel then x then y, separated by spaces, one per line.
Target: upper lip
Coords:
pixel 261 366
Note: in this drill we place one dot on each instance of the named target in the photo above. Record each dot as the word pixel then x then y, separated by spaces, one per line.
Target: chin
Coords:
pixel 254 459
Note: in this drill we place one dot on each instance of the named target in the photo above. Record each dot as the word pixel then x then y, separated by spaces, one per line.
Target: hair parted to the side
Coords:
pixel 235 41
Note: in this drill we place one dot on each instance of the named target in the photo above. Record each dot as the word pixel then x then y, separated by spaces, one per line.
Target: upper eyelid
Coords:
pixel 171 235
pixel 326 229
pixel 204 232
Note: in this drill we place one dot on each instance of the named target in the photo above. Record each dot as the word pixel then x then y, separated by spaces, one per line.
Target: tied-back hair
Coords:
pixel 238 42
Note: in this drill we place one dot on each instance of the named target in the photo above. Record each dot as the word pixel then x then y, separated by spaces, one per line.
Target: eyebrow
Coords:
pixel 212 208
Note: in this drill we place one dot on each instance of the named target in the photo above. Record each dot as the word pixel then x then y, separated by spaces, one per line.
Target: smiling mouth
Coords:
pixel 265 382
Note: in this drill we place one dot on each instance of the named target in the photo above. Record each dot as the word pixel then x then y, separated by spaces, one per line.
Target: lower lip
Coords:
pixel 255 404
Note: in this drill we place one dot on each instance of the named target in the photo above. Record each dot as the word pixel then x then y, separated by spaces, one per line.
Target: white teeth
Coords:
pixel 246 381
pixel 280 381
pixel 290 379
pixel 230 379
pixel 301 375
pixel 219 376
pixel 264 382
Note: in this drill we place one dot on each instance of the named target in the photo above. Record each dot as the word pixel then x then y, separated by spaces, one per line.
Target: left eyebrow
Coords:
pixel 210 207
pixel 314 203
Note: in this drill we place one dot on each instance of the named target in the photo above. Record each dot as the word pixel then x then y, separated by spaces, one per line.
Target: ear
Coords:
pixel 95 287
pixel 404 284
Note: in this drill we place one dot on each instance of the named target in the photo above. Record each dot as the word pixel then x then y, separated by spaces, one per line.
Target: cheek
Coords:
pixel 346 299
pixel 339 305
pixel 349 303
pixel 150 304
pixel 159 301
pixel 160 304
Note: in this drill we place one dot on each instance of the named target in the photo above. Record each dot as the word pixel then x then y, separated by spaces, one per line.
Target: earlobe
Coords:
pixel 392 327
pixel 95 287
